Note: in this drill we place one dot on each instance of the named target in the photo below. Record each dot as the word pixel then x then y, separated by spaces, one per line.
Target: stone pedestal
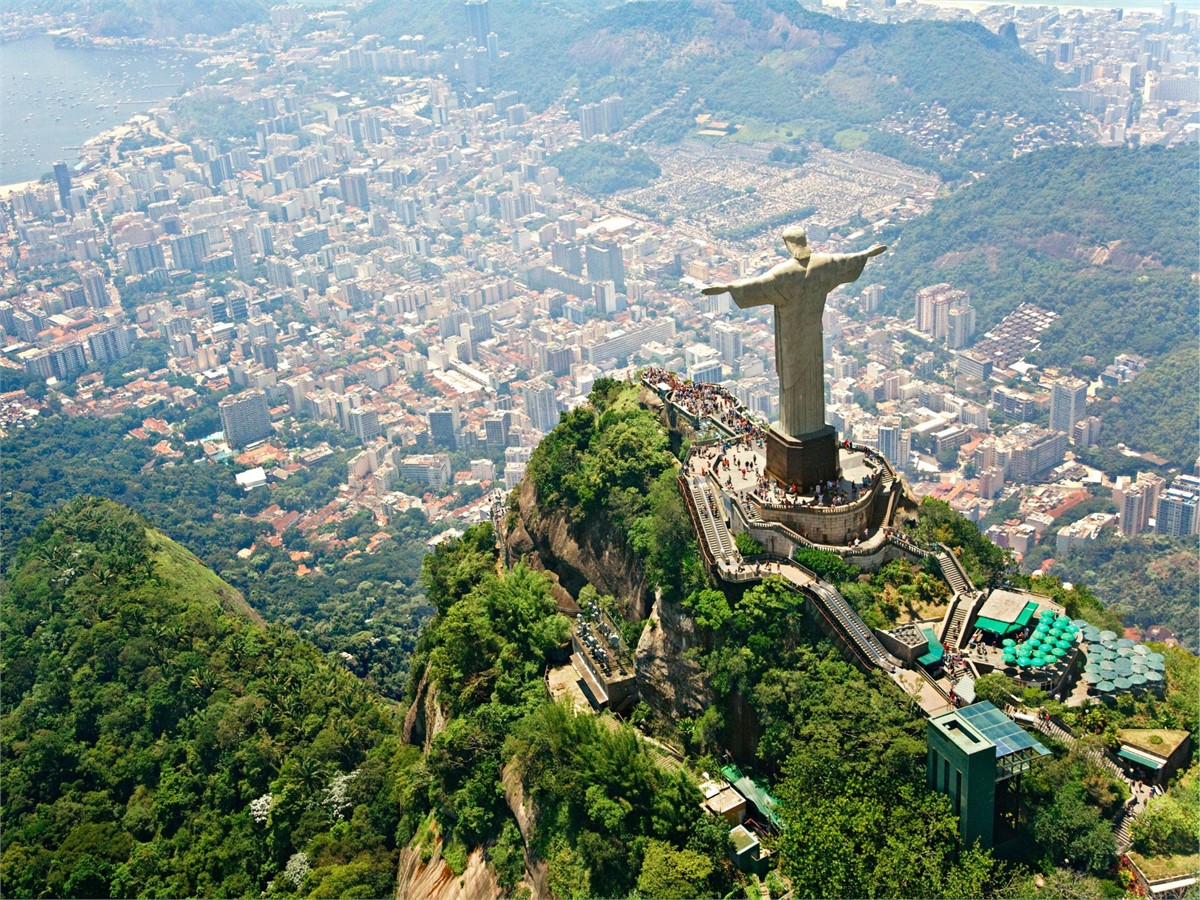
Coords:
pixel 803 461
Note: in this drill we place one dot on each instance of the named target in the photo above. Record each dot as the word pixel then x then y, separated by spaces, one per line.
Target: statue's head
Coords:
pixel 795 239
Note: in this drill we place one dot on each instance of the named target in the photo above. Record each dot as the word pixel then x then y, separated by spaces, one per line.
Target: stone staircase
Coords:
pixel 1061 733
pixel 955 576
pixel 1122 824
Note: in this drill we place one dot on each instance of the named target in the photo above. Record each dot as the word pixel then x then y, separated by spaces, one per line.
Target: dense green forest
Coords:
pixel 759 61
pixel 367 605
pixel 608 466
pixel 1152 577
pixel 600 168
pixel 156 741
pixel 608 817
pixel 1102 236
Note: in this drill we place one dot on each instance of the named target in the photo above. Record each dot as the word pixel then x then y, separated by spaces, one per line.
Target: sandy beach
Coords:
pixel 16 187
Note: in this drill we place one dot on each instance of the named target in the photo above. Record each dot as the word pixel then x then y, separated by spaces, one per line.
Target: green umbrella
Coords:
pixel 1137 679
pixel 1080 623
pixel 1062 643
pixel 1039 660
pixel 1141 650
pixel 1058 652
pixel 1125 642
pixel 1152 676
pixel 1139 666
pixel 1008 642
pixel 1023 661
pixel 1035 641
pixel 1092 677
pixel 1105 687
pixel 1108 635
pixel 1046 613
pixel 1122 684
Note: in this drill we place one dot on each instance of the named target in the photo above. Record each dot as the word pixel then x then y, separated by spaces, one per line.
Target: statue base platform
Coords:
pixel 803 461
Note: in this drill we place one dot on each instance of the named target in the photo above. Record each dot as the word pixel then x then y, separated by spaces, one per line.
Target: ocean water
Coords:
pixel 52 99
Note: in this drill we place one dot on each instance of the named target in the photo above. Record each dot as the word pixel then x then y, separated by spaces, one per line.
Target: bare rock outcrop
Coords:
pixel 576 557
pixel 433 880
pixel 536 870
pixel 425 718
pixel 669 682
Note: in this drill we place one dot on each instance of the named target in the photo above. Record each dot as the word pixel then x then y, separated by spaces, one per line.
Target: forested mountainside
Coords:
pixel 159 739
pixel 777 67
pixel 1102 236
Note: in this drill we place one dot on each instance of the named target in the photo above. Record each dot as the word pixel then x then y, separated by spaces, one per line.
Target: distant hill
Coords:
pixel 1106 237
pixel 772 65
pixel 157 739
pixel 150 18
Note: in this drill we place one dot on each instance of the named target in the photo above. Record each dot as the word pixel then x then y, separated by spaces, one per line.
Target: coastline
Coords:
pixel 16 187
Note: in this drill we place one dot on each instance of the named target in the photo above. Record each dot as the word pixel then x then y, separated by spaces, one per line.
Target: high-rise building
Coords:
pixel 353 183
pixel 444 427
pixel 1136 501
pixel 95 288
pixel 541 405
pixel 591 122
pixel 62 177
pixel 245 418
pixel 188 251
pixel 960 326
pixel 565 255
pixel 63 362
pixel 143 258
pixel 478 21
pixel 1178 510
pixel 870 299
pixel 364 424
pixel 1068 403
pixel 496 430
pixel 604 263
pixel 888 440
pixel 612 114
pixel 726 338
pixel 933 308
pixel 111 344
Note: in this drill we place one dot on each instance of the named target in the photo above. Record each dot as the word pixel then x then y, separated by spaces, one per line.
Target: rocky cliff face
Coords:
pixel 669 683
pixel 425 718
pixel 433 880
pixel 575 557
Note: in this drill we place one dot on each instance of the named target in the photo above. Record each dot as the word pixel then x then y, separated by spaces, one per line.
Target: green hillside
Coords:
pixel 1104 237
pixel 158 741
pixel 758 62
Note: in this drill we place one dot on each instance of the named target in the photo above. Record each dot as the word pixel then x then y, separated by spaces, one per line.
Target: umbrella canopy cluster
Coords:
pixel 1050 642
pixel 1118 664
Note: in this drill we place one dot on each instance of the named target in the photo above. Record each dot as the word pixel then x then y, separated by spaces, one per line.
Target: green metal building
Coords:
pixel 971 752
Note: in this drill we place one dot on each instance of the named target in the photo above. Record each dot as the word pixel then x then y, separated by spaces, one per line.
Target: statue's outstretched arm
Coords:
pixel 761 290
pixel 843 268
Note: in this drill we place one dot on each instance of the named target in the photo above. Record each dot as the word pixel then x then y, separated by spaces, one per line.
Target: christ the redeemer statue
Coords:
pixel 797 289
